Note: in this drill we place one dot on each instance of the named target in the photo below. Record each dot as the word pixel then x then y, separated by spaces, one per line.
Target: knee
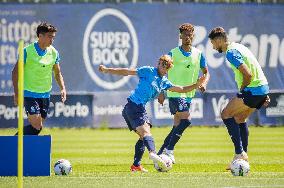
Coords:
pixel 240 119
pixel 36 122
pixel 225 114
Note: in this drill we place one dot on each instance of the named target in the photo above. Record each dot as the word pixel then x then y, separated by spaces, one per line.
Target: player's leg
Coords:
pixel 168 137
pixel 234 107
pixel 182 117
pixel 244 131
pixel 139 146
pixel 32 107
pixel 144 132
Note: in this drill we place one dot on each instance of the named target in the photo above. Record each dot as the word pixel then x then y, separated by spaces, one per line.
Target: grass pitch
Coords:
pixel 102 158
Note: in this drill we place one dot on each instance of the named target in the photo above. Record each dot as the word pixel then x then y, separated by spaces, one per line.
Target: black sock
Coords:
pixel 234 131
pixel 30 130
pixel 139 151
pixel 177 133
pixel 166 141
pixel 244 135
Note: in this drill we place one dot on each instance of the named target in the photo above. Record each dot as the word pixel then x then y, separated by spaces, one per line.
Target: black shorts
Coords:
pixel 252 101
pixel 135 115
pixel 37 106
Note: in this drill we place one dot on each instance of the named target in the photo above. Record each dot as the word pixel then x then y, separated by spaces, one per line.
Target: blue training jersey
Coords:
pixel 236 59
pixel 149 86
pixel 40 52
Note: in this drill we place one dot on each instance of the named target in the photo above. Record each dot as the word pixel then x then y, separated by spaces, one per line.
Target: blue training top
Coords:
pixel 236 59
pixel 40 52
pixel 149 86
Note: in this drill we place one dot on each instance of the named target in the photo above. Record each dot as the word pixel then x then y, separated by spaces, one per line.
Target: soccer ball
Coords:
pixel 167 160
pixel 240 167
pixel 62 167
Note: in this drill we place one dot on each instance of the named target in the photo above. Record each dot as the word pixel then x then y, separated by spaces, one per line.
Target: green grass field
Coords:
pixel 102 158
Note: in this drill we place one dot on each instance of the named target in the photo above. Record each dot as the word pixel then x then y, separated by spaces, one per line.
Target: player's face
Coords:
pixel 217 45
pixel 47 38
pixel 163 68
pixel 186 38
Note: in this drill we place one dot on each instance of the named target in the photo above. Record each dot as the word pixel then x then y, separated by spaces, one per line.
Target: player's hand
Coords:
pixel 102 69
pixel 161 98
pixel 200 81
pixel 16 99
pixel 63 95
pixel 202 88
pixel 267 101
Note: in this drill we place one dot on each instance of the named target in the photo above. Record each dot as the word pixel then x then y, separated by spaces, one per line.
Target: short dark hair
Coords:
pixel 186 27
pixel 44 27
pixel 218 32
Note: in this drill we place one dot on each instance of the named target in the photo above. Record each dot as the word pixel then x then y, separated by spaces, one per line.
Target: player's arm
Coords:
pixel 59 79
pixel 185 89
pixel 206 74
pixel 117 71
pixel 247 76
pixel 236 59
pixel 15 83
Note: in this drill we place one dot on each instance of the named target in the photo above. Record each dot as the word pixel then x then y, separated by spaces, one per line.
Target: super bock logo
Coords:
pixel 109 39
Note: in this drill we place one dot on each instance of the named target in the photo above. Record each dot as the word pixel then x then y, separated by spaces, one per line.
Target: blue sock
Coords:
pixel 177 133
pixel 166 141
pixel 149 143
pixel 30 130
pixel 139 151
pixel 234 132
pixel 244 135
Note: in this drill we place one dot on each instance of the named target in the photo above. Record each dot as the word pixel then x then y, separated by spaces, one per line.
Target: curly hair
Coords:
pixel 44 27
pixel 218 32
pixel 166 61
pixel 186 27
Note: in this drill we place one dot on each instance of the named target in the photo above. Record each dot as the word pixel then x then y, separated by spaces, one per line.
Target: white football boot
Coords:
pixel 170 154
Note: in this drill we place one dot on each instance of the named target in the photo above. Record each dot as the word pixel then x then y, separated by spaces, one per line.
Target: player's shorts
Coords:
pixel 178 105
pixel 135 115
pixel 252 101
pixel 36 106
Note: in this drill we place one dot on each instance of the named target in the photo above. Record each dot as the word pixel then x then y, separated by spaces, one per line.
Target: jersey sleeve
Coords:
pixel 203 62
pixel 234 57
pixel 170 54
pixel 168 84
pixel 143 71
pixel 25 56
pixel 57 59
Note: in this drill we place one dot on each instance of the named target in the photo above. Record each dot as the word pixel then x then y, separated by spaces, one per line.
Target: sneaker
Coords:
pixel 170 154
pixel 243 156
pixel 157 160
pixel 138 169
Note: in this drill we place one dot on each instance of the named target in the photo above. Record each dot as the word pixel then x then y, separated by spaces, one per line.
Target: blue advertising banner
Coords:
pixel 134 35
pixel 131 35
pixel 77 111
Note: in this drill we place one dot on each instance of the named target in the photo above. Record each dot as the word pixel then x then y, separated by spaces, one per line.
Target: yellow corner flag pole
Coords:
pixel 20 110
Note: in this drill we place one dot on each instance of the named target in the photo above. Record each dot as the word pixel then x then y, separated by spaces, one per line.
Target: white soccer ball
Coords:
pixel 62 167
pixel 240 167
pixel 167 160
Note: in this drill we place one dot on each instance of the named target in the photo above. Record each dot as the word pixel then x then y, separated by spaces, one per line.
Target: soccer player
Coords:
pixel 188 62
pixel 252 85
pixel 40 60
pixel 152 81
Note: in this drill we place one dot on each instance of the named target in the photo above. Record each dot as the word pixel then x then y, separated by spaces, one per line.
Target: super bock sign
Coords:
pixel 109 39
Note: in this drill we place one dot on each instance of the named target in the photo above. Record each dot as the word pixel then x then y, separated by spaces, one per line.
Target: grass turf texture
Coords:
pixel 102 158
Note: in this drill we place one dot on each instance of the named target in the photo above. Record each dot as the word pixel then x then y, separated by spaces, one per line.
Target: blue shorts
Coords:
pixel 135 115
pixel 178 105
pixel 252 101
pixel 36 106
